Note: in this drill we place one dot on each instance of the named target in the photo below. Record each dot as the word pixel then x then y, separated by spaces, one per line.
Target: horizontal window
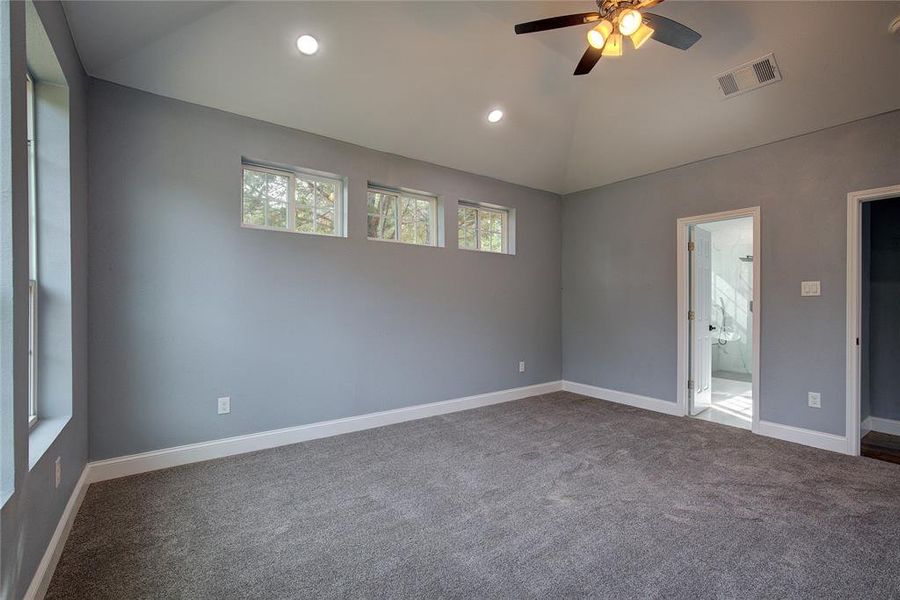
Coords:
pixel 483 228
pixel 292 201
pixel 402 217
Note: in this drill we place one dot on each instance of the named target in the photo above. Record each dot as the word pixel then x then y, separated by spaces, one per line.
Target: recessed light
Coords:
pixel 495 115
pixel 307 45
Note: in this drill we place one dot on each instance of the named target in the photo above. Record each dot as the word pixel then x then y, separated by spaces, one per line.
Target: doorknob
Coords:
pixel 712 327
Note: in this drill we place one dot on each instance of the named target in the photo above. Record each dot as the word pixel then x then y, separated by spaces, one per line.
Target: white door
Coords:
pixel 701 305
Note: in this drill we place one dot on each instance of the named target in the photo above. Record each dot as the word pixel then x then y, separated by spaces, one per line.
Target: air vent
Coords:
pixel 749 76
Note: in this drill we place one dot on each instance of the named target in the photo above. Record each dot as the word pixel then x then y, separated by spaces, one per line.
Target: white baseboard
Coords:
pixel 44 573
pixel 807 437
pixel 645 402
pixel 112 468
pixel 880 425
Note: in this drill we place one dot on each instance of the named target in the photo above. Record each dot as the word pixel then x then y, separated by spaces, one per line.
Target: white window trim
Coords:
pixel 401 193
pixel 293 175
pixel 32 353
pixel 504 226
pixel 33 287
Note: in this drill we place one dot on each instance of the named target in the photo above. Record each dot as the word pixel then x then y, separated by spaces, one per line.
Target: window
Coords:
pixel 32 253
pixel 401 216
pixel 483 228
pixel 292 201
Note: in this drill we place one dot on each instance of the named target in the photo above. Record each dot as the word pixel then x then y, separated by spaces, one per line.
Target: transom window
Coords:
pixel 292 201
pixel 401 216
pixel 483 228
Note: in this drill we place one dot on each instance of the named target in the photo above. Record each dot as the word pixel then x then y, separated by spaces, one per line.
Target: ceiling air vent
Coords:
pixel 749 76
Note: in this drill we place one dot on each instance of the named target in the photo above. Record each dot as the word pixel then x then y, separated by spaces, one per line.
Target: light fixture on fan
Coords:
pixel 630 24
pixel 614 21
pixel 598 35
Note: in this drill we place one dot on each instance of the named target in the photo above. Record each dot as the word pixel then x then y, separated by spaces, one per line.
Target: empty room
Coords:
pixel 449 299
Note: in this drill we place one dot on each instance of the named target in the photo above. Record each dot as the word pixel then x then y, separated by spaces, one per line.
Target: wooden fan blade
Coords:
pixel 671 33
pixel 588 60
pixel 556 22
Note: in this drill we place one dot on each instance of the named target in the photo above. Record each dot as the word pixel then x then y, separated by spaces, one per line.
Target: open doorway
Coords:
pixel 873 276
pixel 879 323
pixel 718 330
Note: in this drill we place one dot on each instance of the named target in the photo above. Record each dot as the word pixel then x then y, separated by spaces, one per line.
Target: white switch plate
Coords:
pixel 810 288
pixel 521 366
pixel 224 405
pixel 57 472
pixel 814 399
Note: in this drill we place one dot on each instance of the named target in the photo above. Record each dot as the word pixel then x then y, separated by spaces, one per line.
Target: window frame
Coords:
pixel 31 140
pixel 403 193
pixel 505 224
pixel 293 175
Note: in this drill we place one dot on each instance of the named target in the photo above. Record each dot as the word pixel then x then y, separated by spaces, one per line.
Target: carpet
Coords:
pixel 556 496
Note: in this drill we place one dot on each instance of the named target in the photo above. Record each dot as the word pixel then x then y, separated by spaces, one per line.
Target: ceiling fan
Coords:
pixel 615 20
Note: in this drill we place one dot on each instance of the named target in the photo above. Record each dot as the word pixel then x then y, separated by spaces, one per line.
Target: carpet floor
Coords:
pixel 551 497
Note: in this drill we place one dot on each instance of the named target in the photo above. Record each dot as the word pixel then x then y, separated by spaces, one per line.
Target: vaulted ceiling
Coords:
pixel 418 78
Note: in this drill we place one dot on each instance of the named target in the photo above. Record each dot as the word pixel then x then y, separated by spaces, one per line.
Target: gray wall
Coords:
pixel 619 296
pixel 883 354
pixel 28 518
pixel 186 306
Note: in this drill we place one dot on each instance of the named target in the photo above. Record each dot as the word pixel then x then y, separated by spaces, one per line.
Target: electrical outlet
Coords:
pixel 224 405
pixel 814 399
pixel 57 471
pixel 521 366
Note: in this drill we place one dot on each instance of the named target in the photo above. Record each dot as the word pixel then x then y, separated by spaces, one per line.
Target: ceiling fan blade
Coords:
pixel 671 33
pixel 557 22
pixel 588 60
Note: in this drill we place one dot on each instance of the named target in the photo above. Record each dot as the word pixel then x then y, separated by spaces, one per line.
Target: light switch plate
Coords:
pixel 814 399
pixel 810 288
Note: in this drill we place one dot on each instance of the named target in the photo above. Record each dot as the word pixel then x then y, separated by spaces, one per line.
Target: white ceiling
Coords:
pixel 417 78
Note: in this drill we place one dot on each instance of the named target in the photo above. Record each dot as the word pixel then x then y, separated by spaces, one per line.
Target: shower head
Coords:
pixel 748 258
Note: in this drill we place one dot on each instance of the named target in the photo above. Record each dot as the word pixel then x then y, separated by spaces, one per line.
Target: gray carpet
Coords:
pixel 554 496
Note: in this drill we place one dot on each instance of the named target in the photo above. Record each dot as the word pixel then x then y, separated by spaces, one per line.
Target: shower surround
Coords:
pixel 732 287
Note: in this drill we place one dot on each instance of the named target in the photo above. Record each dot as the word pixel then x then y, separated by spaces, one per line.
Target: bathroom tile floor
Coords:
pixel 732 403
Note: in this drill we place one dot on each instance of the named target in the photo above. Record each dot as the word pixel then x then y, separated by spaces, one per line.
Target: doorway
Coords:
pixel 873 293
pixel 718 283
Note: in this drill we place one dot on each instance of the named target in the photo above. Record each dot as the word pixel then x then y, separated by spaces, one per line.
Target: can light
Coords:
pixel 307 45
pixel 495 115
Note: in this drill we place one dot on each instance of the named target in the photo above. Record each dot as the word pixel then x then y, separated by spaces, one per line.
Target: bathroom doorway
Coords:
pixel 718 286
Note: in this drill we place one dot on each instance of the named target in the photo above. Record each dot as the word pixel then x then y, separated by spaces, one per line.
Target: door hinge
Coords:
pixel 690 315
pixel 691 246
pixel 690 384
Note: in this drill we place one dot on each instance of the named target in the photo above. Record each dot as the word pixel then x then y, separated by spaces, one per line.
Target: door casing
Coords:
pixel 683 302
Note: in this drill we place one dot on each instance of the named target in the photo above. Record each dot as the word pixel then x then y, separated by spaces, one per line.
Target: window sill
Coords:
pixel 42 437
pixel 488 252
pixel 401 242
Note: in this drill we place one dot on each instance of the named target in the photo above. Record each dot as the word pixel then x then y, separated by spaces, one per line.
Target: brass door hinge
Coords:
pixel 690 315
pixel 691 246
